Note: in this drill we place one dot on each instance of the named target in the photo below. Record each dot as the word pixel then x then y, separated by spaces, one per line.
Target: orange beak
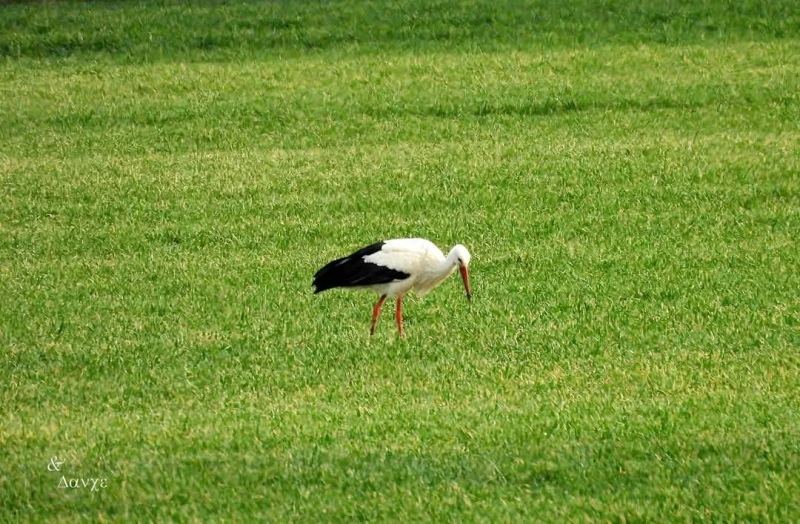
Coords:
pixel 465 278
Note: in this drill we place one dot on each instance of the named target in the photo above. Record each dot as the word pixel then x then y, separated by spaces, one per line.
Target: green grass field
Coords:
pixel 625 174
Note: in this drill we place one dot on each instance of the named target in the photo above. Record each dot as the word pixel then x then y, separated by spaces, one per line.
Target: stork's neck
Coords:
pixel 448 264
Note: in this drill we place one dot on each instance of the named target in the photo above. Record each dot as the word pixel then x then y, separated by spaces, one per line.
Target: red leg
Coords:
pixel 399 315
pixel 375 311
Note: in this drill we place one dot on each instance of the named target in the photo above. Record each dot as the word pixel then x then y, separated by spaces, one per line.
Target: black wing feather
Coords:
pixel 353 270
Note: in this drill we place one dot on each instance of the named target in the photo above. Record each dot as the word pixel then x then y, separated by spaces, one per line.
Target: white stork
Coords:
pixel 392 268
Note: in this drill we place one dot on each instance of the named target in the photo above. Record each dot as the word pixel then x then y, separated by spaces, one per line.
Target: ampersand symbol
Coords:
pixel 54 464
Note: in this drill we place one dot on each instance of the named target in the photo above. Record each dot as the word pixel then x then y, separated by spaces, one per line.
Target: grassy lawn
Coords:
pixel 625 174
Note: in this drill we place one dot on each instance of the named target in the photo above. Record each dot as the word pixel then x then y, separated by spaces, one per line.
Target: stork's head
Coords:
pixel 462 259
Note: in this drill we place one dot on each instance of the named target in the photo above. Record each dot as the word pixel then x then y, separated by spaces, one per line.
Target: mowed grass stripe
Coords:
pixel 172 108
pixel 154 31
